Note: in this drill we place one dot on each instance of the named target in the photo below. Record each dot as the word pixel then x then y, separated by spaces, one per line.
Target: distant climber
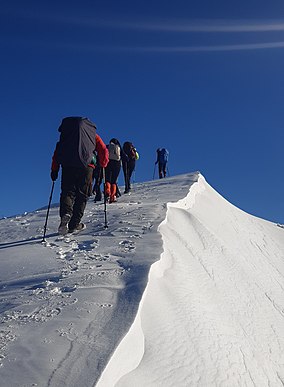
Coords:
pixel 162 160
pixel 128 163
pixel 113 169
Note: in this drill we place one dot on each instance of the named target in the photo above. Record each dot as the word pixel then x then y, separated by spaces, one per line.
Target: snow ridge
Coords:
pixel 133 343
pixel 212 311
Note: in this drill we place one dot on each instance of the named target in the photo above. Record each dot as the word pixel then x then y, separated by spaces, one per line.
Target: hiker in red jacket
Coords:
pixel 75 152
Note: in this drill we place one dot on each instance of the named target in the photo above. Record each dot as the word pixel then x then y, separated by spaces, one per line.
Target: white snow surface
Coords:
pixel 182 289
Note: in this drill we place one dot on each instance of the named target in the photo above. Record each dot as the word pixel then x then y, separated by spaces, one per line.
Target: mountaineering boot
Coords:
pixel 79 227
pixel 112 193
pixel 63 227
pixel 98 196
pixel 127 189
pixel 112 199
pixel 107 190
pixel 97 192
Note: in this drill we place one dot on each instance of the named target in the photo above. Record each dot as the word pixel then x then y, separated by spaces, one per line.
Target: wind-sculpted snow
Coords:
pixel 212 313
pixel 65 305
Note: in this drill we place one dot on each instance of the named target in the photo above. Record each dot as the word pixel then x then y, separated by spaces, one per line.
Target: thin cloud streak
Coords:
pixel 193 25
pixel 185 49
pixel 176 50
pixel 34 43
pixel 210 26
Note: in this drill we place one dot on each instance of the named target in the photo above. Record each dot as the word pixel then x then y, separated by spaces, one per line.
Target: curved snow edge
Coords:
pixel 188 202
pixel 130 350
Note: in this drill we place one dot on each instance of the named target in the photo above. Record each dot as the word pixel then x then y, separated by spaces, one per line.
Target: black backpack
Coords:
pixel 77 142
pixel 129 149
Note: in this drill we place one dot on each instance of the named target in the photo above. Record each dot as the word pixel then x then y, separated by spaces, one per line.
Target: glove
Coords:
pixel 54 175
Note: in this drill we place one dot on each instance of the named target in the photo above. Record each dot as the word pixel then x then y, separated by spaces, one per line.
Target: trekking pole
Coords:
pixel 168 171
pixel 47 213
pixel 154 171
pixel 127 179
pixel 105 199
pixel 118 193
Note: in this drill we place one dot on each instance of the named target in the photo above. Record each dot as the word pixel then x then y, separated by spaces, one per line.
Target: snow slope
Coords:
pixel 65 305
pixel 212 313
pixel 86 311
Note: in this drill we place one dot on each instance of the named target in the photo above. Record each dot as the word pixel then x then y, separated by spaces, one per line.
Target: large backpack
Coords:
pixel 163 155
pixel 129 149
pixel 77 142
pixel 114 151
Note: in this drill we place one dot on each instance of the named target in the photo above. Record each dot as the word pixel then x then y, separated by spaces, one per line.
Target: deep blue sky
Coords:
pixel 202 78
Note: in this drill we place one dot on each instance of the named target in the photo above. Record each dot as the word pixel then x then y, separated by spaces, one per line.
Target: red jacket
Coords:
pixel 101 149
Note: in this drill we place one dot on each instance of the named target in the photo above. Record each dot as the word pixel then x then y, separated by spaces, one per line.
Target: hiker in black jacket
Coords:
pixel 74 153
pixel 128 163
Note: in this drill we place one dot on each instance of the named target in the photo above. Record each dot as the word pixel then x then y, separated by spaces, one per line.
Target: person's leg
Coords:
pixel 112 193
pixel 108 177
pixel 131 167
pixel 160 170
pixel 126 177
pixel 83 191
pixel 165 169
pixel 68 191
pixel 107 189
pixel 67 198
pixel 97 191
pixel 114 177
pixel 97 175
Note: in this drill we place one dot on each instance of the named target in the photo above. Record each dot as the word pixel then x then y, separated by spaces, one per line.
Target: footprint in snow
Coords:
pixel 123 229
pixel 95 243
pixel 147 226
pixel 127 245
pixel 136 236
pixel 61 254
pixel 100 257
pixel 69 289
pixel 105 305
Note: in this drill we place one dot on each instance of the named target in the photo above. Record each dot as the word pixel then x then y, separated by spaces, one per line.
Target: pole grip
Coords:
pixel 105 201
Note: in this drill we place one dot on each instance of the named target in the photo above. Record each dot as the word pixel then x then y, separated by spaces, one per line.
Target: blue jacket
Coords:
pixel 162 155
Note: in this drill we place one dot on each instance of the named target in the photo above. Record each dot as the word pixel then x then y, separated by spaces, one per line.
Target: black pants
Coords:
pixel 98 177
pixel 76 187
pixel 162 169
pixel 112 171
pixel 128 168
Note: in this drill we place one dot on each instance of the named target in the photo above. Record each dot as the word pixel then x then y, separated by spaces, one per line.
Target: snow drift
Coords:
pixel 212 313
pixel 182 289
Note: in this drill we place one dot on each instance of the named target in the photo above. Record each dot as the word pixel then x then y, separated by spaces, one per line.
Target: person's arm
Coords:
pixel 157 158
pixel 102 151
pixel 123 155
pixel 54 165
